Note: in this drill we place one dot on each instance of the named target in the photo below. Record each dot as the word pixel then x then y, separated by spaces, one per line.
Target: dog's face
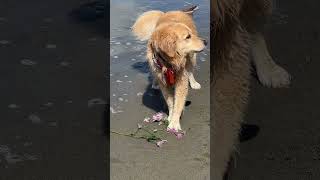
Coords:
pixel 176 40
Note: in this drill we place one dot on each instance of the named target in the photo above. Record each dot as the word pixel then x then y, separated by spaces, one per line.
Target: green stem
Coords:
pixel 133 135
pixel 161 130
pixel 123 134
pixel 129 135
pixel 148 131
pixel 135 132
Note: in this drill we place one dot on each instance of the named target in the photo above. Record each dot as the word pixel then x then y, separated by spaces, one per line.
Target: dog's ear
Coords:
pixel 165 42
pixel 190 10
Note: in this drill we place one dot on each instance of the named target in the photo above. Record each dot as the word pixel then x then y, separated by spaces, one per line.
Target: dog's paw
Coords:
pixel 195 85
pixel 155 86
pixel 173 125
pixel 274 76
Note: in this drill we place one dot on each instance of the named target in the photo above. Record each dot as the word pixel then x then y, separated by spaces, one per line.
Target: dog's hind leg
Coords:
pixel 269 73
pixel 190 67
pixel 155 84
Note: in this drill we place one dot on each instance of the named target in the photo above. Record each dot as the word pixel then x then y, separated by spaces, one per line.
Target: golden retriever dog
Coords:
pixel 173 43
pixel 237 34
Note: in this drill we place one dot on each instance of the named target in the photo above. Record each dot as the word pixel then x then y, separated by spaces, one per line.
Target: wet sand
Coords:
pixel 132 100
pixel 51 67
pixel 287 147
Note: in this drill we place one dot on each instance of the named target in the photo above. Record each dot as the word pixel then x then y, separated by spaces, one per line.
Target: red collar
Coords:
pixel 169 73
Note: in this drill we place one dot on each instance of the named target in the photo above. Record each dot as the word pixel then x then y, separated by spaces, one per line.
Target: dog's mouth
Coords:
pixel 197 51
pixel 202 47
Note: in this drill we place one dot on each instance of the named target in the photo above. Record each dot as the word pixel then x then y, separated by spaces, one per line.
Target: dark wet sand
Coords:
pixel 287 147
pixel 63 139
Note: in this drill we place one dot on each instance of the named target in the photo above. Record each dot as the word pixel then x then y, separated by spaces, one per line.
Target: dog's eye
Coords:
pixel 188 37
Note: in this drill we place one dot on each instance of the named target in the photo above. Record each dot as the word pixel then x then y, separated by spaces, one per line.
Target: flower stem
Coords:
pixel 133 135
pixel 135 132
pixel 123 134
pixel 147 131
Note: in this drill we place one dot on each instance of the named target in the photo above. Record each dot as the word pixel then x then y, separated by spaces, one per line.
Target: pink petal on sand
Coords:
pixel 179 136
pixel 171 130
pixel 146 120
pixel 160 143
pixel 157 117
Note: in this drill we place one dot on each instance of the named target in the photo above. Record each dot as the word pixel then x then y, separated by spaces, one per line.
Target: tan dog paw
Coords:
pixel 173 125
pixel 195 85
pixel 274 76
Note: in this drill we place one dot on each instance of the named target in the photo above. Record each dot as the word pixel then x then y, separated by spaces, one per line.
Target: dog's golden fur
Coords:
pixel 173 37
pixel 236 33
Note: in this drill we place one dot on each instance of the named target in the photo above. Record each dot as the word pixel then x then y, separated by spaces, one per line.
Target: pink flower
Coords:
pixel 171 130
pixel 146 120
pixel 158 117
pixel 179 136
pixel 160 143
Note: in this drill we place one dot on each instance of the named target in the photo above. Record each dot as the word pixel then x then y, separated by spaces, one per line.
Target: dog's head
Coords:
pixel 175 41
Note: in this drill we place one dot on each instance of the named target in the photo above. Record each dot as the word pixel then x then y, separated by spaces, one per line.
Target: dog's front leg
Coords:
pixel 269 73
pixel 180 95
pixel 191 63
pixel 168 96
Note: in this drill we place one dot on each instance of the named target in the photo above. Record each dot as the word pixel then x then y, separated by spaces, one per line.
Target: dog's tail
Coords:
pixel 146 24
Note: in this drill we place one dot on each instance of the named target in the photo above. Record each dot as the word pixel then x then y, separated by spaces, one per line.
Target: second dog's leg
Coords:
pixel 180 95
pixel 190 66
pixel 269 73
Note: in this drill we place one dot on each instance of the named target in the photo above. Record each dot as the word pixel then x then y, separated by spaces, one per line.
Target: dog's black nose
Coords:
pixel 204 42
